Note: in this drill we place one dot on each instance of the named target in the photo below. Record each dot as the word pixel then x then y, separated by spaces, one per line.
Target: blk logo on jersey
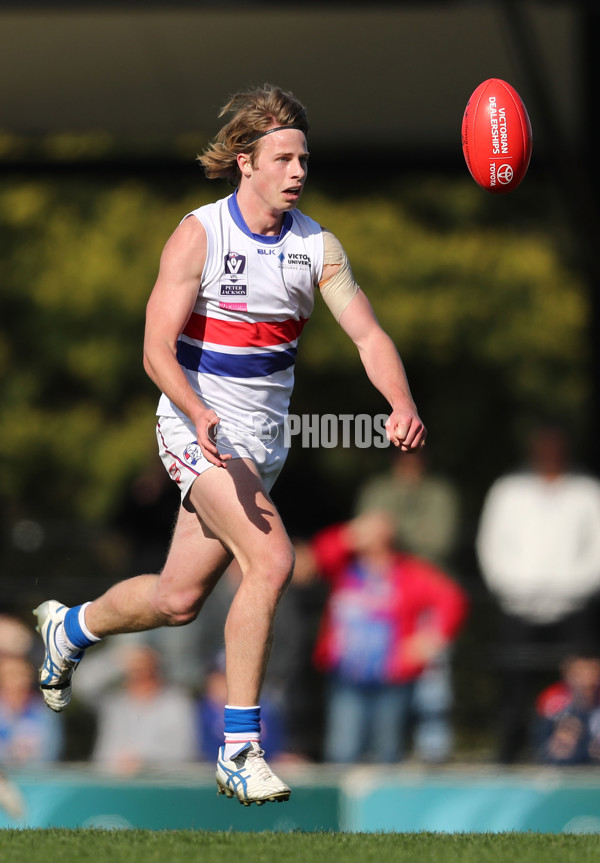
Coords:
pixel 235 265
pixel 279 255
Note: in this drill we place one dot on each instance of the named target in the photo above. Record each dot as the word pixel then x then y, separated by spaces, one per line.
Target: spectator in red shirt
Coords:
pixel 387 616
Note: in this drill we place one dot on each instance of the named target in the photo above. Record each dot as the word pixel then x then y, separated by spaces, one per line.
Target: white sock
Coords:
pixel 64 643
pixel 234 747
pixel 68 650
pixel 82 623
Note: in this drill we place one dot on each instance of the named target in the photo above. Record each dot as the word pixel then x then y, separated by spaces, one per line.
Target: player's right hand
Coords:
pixel 206 433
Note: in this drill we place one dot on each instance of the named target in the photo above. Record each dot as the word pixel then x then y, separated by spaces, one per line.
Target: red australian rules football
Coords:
pixel 496 136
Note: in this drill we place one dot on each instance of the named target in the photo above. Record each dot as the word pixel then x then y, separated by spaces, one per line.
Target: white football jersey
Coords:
pixel 239 347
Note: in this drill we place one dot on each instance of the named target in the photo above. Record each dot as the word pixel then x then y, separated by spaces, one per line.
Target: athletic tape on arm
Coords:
pixel 339 289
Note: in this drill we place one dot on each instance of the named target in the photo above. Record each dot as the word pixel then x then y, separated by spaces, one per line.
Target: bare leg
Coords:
pixel 235 507
pixel 234 515
pixel 194 564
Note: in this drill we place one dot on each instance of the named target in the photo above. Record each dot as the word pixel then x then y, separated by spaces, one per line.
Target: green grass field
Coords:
pixel 178 846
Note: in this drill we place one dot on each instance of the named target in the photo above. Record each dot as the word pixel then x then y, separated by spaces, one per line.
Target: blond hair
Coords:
pixel 253 112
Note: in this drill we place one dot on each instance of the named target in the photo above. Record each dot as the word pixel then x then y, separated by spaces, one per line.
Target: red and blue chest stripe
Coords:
pixel 208 353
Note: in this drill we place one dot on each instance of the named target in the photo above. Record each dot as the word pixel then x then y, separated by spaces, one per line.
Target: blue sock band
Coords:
pixel 73 630
pixel 242 720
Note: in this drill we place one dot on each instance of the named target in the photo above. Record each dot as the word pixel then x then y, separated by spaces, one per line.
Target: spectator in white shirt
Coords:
pixel 538 546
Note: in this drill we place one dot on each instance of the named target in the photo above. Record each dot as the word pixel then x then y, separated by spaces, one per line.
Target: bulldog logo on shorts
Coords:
pixel 192 453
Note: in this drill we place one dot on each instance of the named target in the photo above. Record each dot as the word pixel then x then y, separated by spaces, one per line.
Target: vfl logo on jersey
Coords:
pixel 235 265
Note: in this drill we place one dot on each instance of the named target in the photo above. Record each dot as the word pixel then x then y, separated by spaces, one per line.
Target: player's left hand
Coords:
pixel 406 430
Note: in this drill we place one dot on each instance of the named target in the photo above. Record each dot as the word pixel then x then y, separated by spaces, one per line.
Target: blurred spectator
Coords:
pixel 211 715
pixel 425 507
pixel 567 726
pixel 29 733
pixel 539 551
pixel 22 728
pixel 145 722
pixel 426 511
pixel 16 639
pixel 388 615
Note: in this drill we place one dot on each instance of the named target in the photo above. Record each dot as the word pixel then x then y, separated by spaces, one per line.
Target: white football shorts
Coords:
pixel 263 442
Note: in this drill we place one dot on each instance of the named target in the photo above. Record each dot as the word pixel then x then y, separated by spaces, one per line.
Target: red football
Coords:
pixel 496 136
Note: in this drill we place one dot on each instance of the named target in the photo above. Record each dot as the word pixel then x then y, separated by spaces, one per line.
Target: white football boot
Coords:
pixel 248 777
pixel 57 670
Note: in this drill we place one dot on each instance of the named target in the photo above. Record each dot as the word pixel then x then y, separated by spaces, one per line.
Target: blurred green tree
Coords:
pixel 488 315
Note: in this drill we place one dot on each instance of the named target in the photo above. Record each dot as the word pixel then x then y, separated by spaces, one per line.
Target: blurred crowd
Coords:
pixel 367 639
